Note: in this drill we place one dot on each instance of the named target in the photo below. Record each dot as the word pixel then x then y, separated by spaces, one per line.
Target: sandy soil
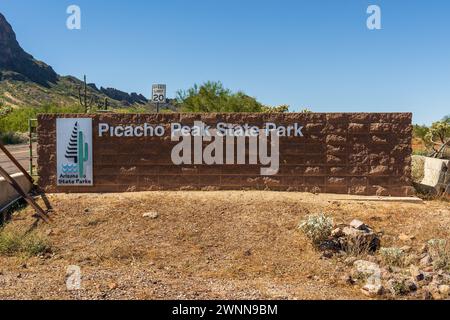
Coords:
pixel 203 245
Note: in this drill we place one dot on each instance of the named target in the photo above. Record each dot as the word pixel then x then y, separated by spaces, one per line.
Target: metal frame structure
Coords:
pixel 41 213
pixel 31 136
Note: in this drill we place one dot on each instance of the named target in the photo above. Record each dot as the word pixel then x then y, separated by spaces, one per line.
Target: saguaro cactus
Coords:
pixel 83 98
pixel 83 154
pixel 103 106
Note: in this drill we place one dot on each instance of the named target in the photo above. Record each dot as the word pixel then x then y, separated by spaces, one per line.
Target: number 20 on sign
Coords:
pixel 159 93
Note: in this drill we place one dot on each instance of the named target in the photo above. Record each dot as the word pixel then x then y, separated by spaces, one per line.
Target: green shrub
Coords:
pixel 438 138
pixel 317 227
pixel 398 287
pixel 17 120
pixel 4 110
pixel 277 109
pixel 420 131
pixel 214 97
pixel 9 243
pixel 13 138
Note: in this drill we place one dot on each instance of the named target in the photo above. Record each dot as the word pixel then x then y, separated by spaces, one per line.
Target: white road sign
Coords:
pixel 159 93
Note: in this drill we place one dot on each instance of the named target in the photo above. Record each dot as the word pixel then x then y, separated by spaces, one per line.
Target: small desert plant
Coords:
pixel 317 227
pixel 439 252
pixel 418 170
pixel 28 244
pixel 392 256
pixel 398 287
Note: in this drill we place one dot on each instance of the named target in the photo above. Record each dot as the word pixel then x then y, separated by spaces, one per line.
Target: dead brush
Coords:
pixel 356 246
pixel 440 253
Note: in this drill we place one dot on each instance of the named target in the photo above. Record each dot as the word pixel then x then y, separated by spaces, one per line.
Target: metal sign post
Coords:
pixel 39 211
pixel 158 95
pixel 28 198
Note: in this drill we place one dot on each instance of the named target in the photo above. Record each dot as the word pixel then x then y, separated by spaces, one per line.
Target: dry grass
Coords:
pixel 357 247
pixel 210 245
pixel 16 242
pixel 392 257
pixel 439 250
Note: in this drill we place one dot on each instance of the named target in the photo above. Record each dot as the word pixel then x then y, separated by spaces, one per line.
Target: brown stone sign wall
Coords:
pixel 346 153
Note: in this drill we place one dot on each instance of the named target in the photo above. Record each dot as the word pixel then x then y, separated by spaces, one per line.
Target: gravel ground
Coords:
pixel 202 245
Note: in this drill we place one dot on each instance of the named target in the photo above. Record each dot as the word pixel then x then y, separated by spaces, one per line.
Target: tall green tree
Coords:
pixel 213 97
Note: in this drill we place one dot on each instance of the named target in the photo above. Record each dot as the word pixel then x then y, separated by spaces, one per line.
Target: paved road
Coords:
pixel 21 153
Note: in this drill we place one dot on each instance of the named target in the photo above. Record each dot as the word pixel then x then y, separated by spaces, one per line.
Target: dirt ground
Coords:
pixel 203 245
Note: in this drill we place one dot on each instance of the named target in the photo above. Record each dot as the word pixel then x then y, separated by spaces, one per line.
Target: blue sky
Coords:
pixel 316 53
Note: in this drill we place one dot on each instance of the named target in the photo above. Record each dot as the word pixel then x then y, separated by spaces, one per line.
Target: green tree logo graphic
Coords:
pixel 77 150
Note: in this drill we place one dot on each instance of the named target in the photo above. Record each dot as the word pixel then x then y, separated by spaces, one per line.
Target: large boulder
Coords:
pixel 359 240
pixel 354 239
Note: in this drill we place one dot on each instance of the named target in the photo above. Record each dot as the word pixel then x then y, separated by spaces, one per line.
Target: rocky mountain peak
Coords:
pixel 16 64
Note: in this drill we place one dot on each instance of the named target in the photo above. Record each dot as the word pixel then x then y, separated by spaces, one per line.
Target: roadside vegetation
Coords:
pixel 214 97
pixel 14 122
pixel 17 119
pixel 433 141
pixel 13 138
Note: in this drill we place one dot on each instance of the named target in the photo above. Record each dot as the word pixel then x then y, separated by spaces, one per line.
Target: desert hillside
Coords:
pixel 25 81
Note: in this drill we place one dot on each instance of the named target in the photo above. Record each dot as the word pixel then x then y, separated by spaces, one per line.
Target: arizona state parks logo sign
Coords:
pixel 74 152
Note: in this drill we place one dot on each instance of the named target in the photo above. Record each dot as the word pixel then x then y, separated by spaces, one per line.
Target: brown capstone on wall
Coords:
pixel 346 153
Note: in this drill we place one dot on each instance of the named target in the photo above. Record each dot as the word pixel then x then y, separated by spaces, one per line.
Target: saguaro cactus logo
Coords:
pixel 74 151
pixel 77 151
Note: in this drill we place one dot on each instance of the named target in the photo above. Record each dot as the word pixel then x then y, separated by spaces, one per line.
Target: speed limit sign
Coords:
pixel 159 93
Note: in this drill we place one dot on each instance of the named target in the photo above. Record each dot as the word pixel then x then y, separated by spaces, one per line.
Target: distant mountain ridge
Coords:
pixel 25 81
pixel 120 95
